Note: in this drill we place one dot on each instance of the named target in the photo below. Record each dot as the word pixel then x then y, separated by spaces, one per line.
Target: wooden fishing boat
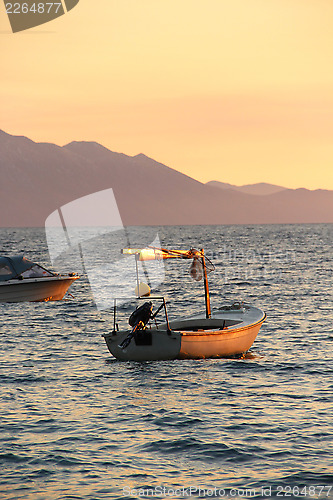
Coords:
pixel 226 332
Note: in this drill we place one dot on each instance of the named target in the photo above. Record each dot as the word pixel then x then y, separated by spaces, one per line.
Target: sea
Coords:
pixel 76 424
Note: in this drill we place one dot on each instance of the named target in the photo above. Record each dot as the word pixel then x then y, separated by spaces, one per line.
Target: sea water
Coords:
pixel 78 424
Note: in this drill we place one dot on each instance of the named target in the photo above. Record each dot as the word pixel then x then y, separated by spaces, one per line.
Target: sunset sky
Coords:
pixel 239 91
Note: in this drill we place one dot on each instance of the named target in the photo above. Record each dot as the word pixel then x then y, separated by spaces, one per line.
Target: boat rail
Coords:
pixel 146 299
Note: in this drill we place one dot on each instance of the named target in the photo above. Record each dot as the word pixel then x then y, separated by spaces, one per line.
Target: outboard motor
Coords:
pixel 138 320
pixel 142 313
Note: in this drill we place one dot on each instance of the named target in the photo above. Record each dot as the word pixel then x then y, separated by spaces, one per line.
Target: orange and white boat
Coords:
pixel 226 332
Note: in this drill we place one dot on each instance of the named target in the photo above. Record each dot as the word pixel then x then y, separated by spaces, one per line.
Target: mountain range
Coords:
pixel 38 178
pixel 261 188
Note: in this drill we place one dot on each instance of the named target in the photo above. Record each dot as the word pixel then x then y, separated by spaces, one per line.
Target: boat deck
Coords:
pixel 221 319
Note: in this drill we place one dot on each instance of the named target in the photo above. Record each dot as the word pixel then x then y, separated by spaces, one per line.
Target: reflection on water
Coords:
pixel 78 424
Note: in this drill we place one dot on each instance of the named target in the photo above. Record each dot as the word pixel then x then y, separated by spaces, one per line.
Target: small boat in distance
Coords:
pixel 22 280
pixel 228 331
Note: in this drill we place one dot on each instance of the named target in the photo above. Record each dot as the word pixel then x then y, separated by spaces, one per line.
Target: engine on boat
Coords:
pixel 141 314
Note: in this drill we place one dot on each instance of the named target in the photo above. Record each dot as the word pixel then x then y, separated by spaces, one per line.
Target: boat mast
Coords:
pixel 207 298
pixel 152 253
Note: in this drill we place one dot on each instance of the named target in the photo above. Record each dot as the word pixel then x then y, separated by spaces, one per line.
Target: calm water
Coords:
pixel 77 424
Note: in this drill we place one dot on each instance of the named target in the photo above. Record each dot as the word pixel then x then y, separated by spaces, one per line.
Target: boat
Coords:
pixel 22 280
pixel 228 331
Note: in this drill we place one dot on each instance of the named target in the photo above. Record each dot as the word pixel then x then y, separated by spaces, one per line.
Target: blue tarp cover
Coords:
pixel 12 267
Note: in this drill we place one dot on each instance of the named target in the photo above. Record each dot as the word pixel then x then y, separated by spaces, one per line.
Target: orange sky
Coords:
pixel 239 91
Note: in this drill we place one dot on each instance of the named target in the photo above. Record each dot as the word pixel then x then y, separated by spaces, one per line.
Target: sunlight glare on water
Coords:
pixel 77 424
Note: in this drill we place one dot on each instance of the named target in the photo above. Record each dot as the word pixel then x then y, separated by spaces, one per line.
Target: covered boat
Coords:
pixel 226 332
pixel 22 280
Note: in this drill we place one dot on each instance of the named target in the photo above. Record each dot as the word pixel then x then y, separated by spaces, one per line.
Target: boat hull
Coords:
pixel 218 345
pixel 163 346
pixel 225 335
pixel 35 289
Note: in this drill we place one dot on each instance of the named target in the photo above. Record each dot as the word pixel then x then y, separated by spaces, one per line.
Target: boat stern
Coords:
pixel 146 345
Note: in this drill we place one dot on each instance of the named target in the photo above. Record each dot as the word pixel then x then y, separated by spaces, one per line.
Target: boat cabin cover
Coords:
pixel 19 266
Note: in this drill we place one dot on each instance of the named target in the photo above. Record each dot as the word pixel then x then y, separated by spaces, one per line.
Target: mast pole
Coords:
pixel 137 256
pixel 207 298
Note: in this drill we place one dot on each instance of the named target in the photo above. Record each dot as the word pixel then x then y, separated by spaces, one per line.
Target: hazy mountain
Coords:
pixel 38 178
pixel 261 188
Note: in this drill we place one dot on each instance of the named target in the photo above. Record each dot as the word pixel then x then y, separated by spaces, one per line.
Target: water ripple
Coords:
pixel 78 425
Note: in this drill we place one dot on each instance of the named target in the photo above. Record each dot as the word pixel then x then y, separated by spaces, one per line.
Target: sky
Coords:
pixel 239 91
